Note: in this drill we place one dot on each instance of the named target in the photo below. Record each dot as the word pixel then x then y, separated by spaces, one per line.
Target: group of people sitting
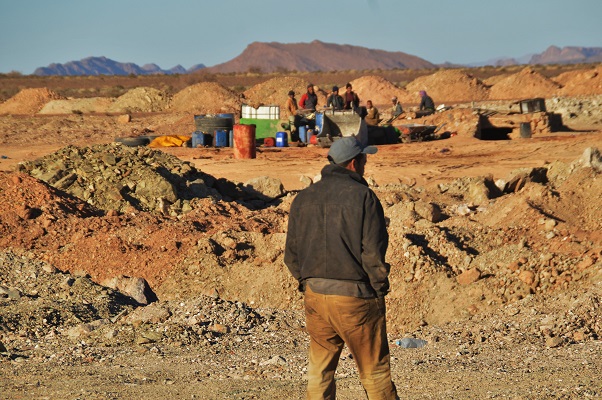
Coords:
pixel 351 101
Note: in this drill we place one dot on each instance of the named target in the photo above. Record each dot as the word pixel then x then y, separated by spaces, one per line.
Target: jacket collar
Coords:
pixel 335 171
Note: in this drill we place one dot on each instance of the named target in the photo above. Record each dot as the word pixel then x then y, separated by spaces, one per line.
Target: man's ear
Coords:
pixel 352 165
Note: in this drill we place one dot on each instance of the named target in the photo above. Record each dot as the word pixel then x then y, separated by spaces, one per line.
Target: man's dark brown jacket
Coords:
pixel 337 237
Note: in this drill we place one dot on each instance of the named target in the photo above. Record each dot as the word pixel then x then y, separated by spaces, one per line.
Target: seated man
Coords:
pixel 372 116
pixel 335 100
pixel 396 110
pixel 427 105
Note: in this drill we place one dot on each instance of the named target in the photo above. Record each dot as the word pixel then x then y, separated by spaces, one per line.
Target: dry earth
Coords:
pixel 496 255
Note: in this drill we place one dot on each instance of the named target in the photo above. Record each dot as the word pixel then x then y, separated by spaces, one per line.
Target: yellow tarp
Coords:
pixel 169 141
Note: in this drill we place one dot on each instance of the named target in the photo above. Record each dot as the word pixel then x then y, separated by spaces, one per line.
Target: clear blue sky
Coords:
pixel 36 33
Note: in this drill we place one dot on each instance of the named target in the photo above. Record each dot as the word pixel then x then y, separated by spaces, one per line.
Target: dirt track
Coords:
pixel 506 287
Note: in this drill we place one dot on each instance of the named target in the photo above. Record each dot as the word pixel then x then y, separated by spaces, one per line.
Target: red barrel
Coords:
pixel 244 141
pixel 269 142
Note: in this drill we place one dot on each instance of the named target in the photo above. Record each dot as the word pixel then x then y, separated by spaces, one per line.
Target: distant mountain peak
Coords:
pixel 104 66
pixel 316 56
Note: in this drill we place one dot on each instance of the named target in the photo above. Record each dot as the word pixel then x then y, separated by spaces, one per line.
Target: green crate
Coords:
pixel 263 127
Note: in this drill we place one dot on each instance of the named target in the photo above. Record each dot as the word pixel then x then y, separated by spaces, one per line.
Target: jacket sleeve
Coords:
pixel 375 241
pixel 302 101
pixel 290 250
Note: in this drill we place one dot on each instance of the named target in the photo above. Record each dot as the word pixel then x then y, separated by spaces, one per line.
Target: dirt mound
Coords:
pixel 524 85
pixel 492 80
pixel 28 101
pixel 448 86
pixel 379 90
pixel 206 98
pixel 76 106
pixel 29 207
pixel 141 99
pixel 578 83
pixel 226 247
pixel 275 92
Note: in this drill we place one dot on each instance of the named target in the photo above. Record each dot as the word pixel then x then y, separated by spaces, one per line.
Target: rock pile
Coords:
pixel 38 300
pixel 118 178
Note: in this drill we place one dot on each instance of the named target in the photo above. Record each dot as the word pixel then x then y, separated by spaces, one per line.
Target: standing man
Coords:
pixel 291 104
pixel 309 100
pixel 335 248
pixel 291 108
pixel 352 100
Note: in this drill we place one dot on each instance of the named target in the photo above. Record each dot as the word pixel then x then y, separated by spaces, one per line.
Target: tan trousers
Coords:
pixel 332 322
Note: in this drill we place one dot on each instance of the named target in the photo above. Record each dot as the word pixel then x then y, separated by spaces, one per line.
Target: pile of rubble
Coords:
pixel 117 178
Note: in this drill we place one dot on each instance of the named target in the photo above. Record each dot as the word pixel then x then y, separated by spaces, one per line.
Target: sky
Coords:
pixel 37 33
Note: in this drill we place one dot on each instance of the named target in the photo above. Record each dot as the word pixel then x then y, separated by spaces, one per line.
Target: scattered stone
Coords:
pixel 78 331
pixel 137 288
pixel 470 276
pixel 219 328
pixel 264 188
pixel 276 360
pixel 154 313
pixel 528 277
pixel 124 119
pixel 553 342
pixel 306 180
pixel 550 224
pixel 592 158
pixel 429 211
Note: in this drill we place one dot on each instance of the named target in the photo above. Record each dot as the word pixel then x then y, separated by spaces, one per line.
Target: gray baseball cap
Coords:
pixel 346 148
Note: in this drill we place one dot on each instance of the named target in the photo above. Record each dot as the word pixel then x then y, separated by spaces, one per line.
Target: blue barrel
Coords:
pixel 319 122
pixel 227 115
pixel 281 139
pixel 303 134
pixel 198 139
pixel 221 138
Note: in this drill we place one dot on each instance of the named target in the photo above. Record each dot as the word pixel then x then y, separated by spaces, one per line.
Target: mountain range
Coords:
pixel 106 66
pixel 312 57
